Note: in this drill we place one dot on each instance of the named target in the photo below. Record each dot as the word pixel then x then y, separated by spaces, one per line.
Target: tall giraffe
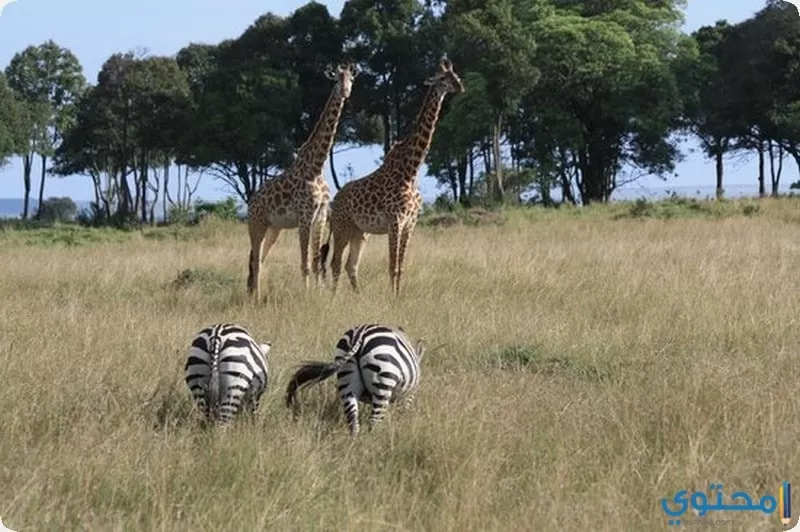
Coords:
pixel 299 197
pixel 388 200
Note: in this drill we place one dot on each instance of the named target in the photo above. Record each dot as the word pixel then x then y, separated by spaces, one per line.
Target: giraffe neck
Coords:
pixel 415 148
pixel 314 151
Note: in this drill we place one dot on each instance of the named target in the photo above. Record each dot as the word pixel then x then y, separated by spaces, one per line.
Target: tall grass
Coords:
pixel 589 364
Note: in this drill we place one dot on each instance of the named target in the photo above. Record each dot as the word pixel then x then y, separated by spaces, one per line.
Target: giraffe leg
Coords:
pixel 317 228
pixel 254 262
pixel 354 258
pixel 340 243
pixel 394 253
pixel 304 230
pixel 405 236
pixel 261 243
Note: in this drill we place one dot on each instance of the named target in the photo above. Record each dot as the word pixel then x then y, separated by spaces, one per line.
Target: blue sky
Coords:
pixel 95 29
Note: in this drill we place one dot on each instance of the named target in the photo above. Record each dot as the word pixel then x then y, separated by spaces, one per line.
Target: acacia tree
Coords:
pixel 246 106
pixel 48 79
pixel 12 140
pixel 709 112
pixel 384 38
pixel 763 55
pixel 608 97
pixel 467 124
pixel 494 38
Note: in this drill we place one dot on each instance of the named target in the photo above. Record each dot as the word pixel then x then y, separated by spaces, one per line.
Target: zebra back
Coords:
pixel 387 348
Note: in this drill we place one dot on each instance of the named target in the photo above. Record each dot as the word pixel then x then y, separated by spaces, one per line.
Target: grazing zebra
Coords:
pixel 374 363
pixel 226 371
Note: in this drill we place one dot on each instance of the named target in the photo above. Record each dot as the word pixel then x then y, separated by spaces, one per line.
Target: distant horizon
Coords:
pixel 630 191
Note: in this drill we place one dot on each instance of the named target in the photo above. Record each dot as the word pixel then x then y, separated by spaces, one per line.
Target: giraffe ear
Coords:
pixel 329 72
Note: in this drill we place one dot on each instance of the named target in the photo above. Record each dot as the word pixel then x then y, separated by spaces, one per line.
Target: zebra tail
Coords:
pixel 214 384
pixel 311 373
pixel 308 374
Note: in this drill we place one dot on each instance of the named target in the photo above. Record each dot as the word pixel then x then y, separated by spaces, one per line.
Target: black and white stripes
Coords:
pixel 226 371
pixel 374 363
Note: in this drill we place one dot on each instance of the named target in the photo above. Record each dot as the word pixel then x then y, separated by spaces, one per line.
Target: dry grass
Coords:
pixel 588 367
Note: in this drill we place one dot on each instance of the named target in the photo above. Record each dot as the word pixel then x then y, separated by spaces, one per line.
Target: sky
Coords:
pixel 95 29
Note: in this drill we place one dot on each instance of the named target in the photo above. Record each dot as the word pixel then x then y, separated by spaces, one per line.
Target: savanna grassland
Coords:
pixel 585 364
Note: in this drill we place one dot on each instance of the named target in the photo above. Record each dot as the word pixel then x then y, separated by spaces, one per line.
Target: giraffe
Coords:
pixel 388 201
pixel 299 197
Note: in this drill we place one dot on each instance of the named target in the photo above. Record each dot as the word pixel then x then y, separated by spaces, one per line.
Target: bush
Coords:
pixel 224 210
pixel 57 210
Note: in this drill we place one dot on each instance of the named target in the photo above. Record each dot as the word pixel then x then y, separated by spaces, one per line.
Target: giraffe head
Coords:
pixel 343 74
pixel 446 80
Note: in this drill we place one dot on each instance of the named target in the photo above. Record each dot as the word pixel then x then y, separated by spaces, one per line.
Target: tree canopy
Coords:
pixel 575 97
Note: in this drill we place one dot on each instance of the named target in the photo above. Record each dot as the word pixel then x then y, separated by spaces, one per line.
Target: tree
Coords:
pixel 493 37
pixel 385 38
pixel 12 139
pixel 48 79
pixel 763 55
pixel 467 122
pixel 130 124
pixel 608 96
pixel 246 110
pixel 709 111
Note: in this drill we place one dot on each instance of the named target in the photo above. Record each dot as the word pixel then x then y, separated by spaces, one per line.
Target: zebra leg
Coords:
pixel 379 406
pixel 407 403
pixel 350 405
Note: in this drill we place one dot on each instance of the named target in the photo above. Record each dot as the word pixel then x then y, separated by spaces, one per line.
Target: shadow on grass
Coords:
pixel 320 408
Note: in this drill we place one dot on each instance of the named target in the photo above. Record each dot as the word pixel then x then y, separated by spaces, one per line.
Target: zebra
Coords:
pixel 226 371
pixel 374 363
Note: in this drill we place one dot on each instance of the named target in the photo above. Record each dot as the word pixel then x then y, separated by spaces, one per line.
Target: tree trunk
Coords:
pixel 775 170
pixel 143 176
pixel 41 186
pixel 499 193
pixel 762 191
pixel 164 194
pixel 463 164
pixel 720 169
pixel 27 164
pixel 471 185
pixel 452 181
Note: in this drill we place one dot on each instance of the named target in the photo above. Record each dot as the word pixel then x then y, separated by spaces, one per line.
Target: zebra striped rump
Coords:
pixel 226 371
pixel 374 364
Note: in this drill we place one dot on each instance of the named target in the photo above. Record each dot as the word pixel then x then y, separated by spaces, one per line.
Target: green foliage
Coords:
pixel 179 215
pixel 680 207
pixel 224 210
pixel 57 210
pixel 12 140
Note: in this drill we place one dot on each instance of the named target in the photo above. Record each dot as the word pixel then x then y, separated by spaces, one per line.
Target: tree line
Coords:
pixel 577 96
